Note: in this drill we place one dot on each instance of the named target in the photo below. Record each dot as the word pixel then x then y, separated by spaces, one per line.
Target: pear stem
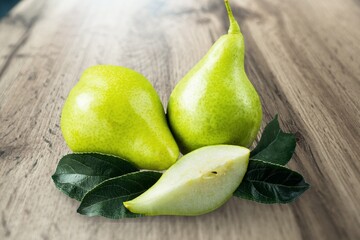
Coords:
pixel 234 26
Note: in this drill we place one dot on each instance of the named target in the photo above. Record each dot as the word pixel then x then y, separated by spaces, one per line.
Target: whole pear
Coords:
pixel 115 110
pixel 215 103
pixel 197 183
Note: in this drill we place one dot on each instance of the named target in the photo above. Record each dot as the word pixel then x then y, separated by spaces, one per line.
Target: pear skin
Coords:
pixel 197 183
pixel 115 110
pixel 215 103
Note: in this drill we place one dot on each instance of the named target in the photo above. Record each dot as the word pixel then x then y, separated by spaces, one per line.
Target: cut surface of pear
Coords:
pixel 115 110
pixel 197 183
pixel 215 103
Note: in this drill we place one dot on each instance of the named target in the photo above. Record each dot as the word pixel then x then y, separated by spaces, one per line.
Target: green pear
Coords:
pixel 215 103
pixel 115 110
pixel 197 183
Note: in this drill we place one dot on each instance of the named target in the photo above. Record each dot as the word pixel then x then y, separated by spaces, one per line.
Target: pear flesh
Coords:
pixel 215 103
pixel 197 183
pixel 115 110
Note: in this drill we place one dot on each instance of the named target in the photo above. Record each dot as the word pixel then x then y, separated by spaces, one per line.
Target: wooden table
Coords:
pixel 302 57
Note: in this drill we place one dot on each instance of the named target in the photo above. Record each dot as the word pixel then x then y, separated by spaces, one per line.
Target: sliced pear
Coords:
pixel 198 183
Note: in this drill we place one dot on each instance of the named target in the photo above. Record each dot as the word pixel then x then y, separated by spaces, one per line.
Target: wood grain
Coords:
pixel 302 57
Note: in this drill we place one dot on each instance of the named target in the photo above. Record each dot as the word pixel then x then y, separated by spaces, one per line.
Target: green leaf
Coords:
pixel 107 198
pixel 76 174
pixel 269 134
pixel 275 146
pixel 270 183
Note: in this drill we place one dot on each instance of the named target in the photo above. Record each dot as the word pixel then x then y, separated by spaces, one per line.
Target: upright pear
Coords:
pixel 115 110
pixel 215 103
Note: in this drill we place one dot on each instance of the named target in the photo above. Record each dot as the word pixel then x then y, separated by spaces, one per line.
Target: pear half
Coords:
pixel 198 183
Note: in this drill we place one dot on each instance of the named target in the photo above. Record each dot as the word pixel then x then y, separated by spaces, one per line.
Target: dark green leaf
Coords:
pixel 76 174
pixel 275 146
pixel 107 198
pixel 268 136
pixel 270 183
pixel 279 151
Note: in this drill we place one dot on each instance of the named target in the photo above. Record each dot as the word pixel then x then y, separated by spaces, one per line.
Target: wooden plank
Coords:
pixel 302 57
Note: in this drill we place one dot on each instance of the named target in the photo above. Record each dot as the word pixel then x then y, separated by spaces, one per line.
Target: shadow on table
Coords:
pixel 6 5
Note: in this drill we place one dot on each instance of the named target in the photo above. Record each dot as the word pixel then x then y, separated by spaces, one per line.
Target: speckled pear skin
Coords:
pixel 115 110
pixel 215 103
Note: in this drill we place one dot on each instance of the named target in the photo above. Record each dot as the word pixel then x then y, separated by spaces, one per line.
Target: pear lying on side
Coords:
pixel 198 183
pixel 115 110
pixel 215 103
